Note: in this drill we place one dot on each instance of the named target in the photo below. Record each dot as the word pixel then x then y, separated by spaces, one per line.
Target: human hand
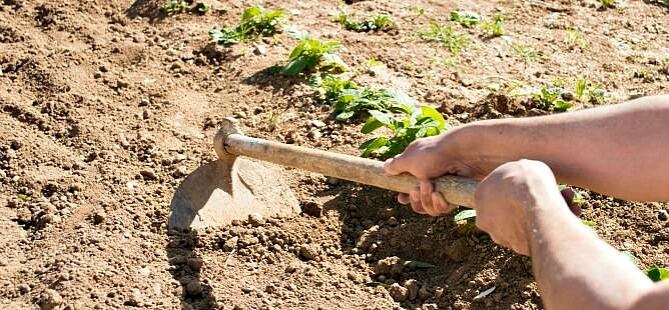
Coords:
pixel 454 152
pixel 505 198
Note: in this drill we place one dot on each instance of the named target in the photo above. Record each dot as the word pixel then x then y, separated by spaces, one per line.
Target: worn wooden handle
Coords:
pixel 456 190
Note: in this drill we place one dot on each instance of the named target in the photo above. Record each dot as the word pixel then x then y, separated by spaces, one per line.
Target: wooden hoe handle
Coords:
pixel 456 190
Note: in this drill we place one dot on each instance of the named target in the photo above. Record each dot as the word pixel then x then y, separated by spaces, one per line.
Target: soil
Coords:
pixel 108 105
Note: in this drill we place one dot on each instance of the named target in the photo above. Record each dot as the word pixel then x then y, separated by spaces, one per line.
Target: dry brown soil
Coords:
pixel 107 105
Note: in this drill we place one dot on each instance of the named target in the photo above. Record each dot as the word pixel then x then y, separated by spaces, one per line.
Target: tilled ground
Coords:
pixel 108 105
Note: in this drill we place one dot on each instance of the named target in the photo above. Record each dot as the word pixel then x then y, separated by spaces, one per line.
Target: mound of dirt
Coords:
pixel 106 106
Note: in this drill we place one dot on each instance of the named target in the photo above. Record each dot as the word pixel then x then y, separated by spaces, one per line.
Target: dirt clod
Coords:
pixel 389 266
pixel 50 299
pixel 398 293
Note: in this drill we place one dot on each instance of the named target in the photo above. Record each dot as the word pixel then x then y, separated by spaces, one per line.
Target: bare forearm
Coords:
pixel 620 150
pixel 574 268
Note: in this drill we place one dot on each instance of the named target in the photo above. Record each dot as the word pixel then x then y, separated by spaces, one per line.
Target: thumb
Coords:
pixel 395 166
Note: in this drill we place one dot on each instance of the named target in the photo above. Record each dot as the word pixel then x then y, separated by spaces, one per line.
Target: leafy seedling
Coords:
pixel 202 8
pixel 574 38
pixel 466 19
pixel 494 28
pixel 353 100
pixel 586 91
pixel 608 3
pixel 415 264
pixel 657 274
pixel 410 124
pixel 175 6
pixel 24 197
pixel 550 99
pixel 332 86
pixel 312 54
pixel 421 11
pixel 374 23
pixel 256 21
pixel 446 36
pixel 526 52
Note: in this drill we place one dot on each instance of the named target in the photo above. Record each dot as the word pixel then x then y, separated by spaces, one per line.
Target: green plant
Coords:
pixel 202 8
pixel 494 28
pixel 352 100
pixel 374 23
pixel 312 54
pixel 574 38
pixel 608 3
pixel 175 6
pixel 657 274
pixel 466 19
pixel 645 75
pixel 526 52
pixel 407 124
pixel 550 99
pixel 446 36
pixel 24 197
pixel 586 91
pixel 333 86
pixel 418 10
pixel 256 21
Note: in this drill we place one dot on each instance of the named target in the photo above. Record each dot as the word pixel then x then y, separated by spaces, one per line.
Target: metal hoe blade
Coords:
pixel 231 188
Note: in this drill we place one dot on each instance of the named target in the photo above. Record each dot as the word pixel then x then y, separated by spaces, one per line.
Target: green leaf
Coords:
pixel 381 117
pixel 333 60
pixel 485 293
pixel 657 274
pixel 373 145
pixel 417 264
pixel 371 125
pixel 251 12
pixel 297 33
pixel 294 67
pixel 464 214
pixel 24 197
pixel 345 115
pixel 433 114
pixel 375 284
pixel 590 224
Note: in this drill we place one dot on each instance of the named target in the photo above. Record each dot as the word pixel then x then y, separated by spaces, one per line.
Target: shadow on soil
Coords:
pixel 271 78
pixel 151 9
pixel 370 226
pixel 185 267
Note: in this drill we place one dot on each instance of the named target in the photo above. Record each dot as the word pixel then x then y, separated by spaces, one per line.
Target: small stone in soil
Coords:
pixel 50 299
pixel 194 288
pixel 195 263
pixel 663 215
pixel 309 252
pixel 312 208
pixel 148 174
pixel 398 293
pixel 256 219
pixel 230 244
pixel 248 289
pixel 412 286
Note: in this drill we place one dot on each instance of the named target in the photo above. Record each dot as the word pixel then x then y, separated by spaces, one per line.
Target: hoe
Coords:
pixel 234 187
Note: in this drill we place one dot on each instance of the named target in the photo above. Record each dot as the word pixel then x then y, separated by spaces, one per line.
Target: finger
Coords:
pixel 403 199
pixel 440 203
pixel 395 166
pixel 426 197
pixel 414 197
